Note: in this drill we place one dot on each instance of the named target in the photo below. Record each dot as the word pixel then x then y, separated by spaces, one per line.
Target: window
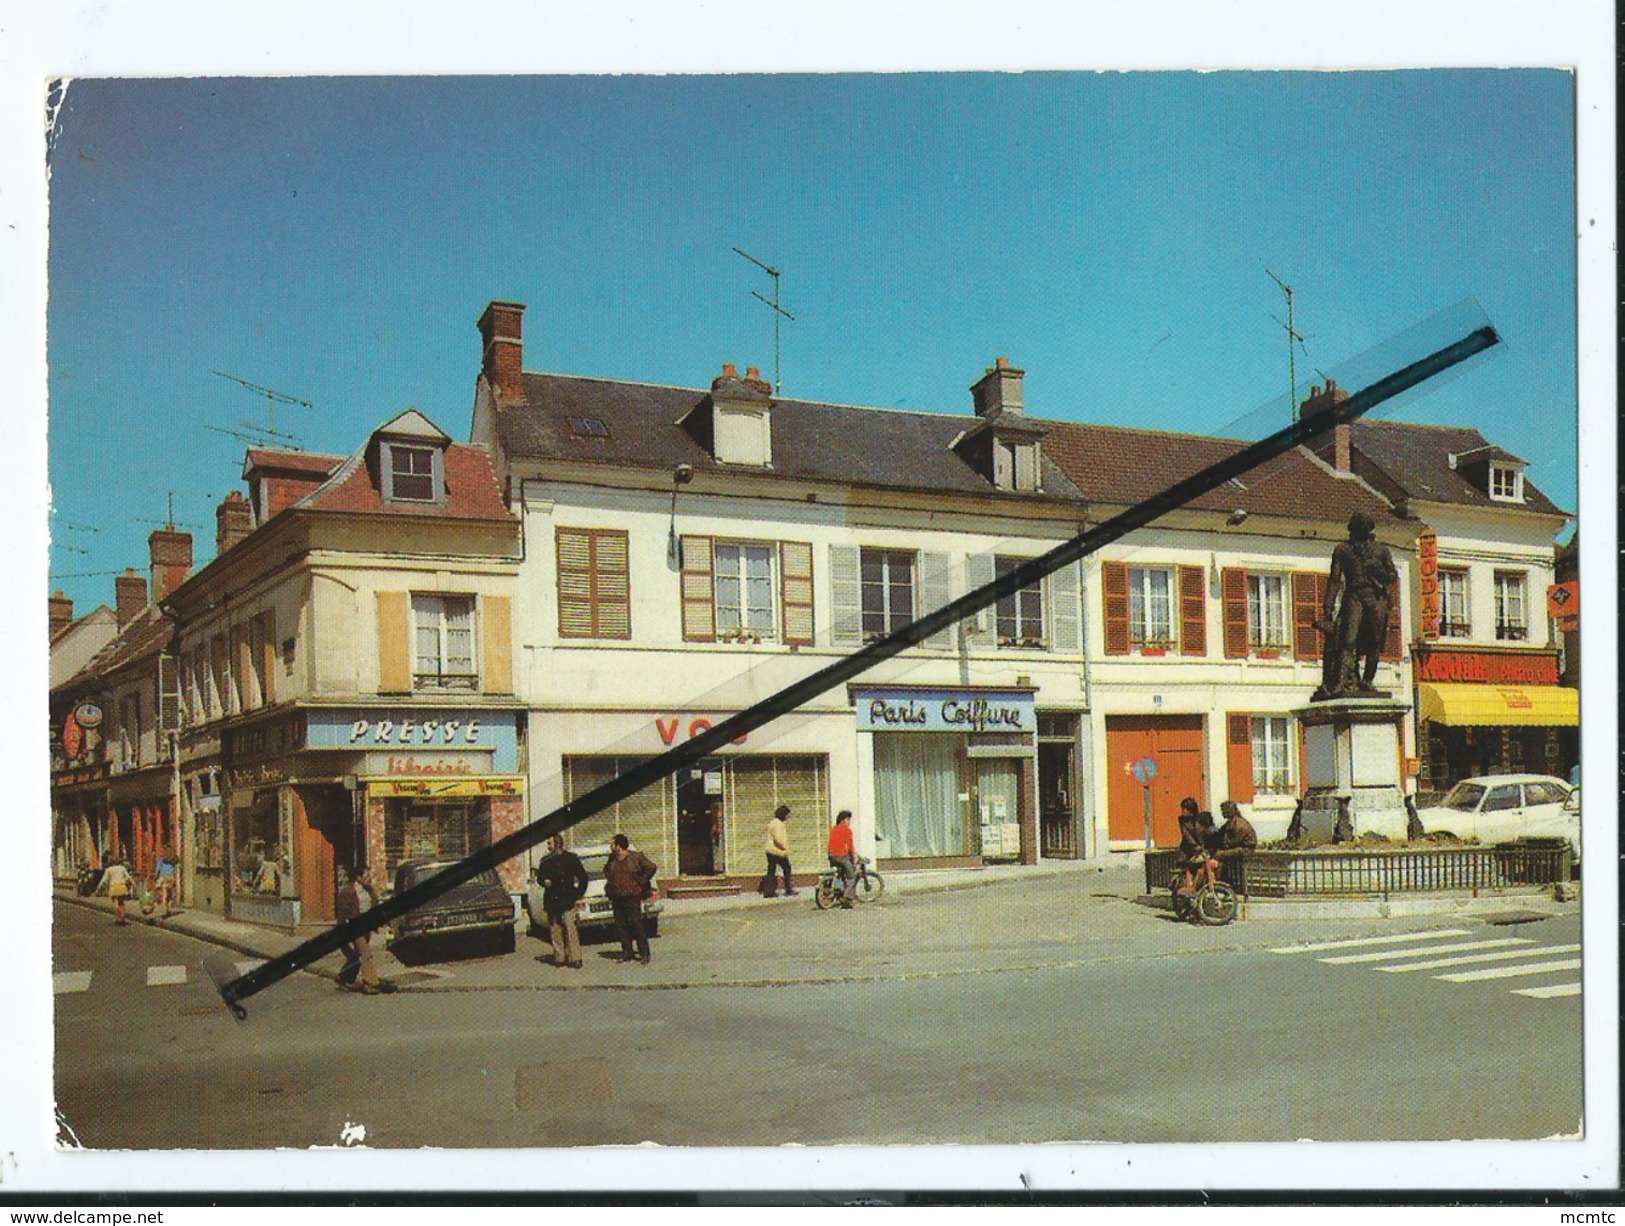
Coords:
pixel 411 472
pixel 1150 608
pixel 128 733
pixel 1506 483
pixel 744 590
pixel 1020 618
pixel 1504 797
pixel 887 580
pixel 1272 759
pixel 219 676
pixel 595 594
pixel 588 427
pixel 1455 621
pixel 443 642
pixel 1268 615
pixel 1511 605
pixel 1537 793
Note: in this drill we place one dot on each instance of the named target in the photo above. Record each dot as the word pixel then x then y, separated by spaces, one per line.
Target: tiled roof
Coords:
pixel 1410 460
pixel 313 462
pixel 1122 466
pixel 812 441
pixel 148 634
pixel 472 491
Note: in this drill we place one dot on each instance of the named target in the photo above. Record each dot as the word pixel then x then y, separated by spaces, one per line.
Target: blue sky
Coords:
pixel 337 239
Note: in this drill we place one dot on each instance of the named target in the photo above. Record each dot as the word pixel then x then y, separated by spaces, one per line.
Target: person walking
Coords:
pixel 563 879
pixel 163 885
pixel 778 851
pixel 118 884
pixel 354 896
pixel 843 854
pixel 628 880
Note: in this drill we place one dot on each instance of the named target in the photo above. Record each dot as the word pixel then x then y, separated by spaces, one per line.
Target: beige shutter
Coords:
pixel 699 590
pixel 796 590
pixel 394 643
pixel 845 593
pixel 268 655
pixel 496 638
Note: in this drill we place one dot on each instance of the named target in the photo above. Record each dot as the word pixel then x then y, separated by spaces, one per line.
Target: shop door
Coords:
pixel 326 840
pixel 1057 829
pixel 699 820
pixel 998 807
pixel 1176 743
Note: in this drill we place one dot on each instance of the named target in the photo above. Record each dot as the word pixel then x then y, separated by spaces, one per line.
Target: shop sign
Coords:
pixel 256 774
pixel 87 715
pixel 73 737
pixel 267 739
pixel 944 711
pixel 445 787
pixel 428 764
pixel 1427 557
pixel 408 729
pixel 87 774
pixel 668 727
pixel 1563 603
pixel 1487 667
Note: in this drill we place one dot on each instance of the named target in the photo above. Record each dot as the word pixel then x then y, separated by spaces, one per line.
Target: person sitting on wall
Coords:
pixel 1237 833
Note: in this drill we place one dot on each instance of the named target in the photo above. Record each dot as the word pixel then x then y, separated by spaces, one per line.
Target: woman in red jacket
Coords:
pixel 843 855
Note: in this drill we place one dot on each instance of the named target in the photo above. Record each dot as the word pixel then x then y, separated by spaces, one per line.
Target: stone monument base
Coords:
pixel 1355 787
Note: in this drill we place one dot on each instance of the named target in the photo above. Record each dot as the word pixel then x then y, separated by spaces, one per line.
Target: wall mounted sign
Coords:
pixel 944 710
pixel 413 730
pixel 87 715
pixel 73 737
pixel 424 764
pixel 1487 667
pixel 1427 559
pixel 268 738
pixel 430 789
pixel 1563 603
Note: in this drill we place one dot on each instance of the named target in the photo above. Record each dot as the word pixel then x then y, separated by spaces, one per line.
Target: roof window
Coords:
pixel 1506 483
pixel 588 427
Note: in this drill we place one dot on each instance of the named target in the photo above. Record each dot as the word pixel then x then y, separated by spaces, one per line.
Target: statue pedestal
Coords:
pixel 1354 768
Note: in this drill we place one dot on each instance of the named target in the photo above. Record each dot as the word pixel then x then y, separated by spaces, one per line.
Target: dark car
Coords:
pixel 479 905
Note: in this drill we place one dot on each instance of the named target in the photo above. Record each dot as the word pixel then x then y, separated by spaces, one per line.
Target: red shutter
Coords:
pixel 1308 588
pixel 1393 644
pixel 1114 596
pixel 1233 584
pixel 1192 611
pixel 698 590
pixel 1239 755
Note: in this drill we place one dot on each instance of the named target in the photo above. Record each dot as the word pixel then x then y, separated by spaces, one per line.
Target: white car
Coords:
pixel 1500 808
pixel 596 911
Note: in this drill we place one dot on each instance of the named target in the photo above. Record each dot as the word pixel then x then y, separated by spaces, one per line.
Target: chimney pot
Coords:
pixel 1001 363
pixel 61 611
pixel 752 372
pixel 503 358
pixel 730 371
pixel 130 596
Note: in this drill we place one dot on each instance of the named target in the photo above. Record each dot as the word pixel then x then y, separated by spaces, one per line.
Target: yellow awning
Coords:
pixel 1529 705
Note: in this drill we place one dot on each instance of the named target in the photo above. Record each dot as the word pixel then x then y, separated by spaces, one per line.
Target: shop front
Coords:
pixel 1483 711
pixel 955 773
pixel 79 819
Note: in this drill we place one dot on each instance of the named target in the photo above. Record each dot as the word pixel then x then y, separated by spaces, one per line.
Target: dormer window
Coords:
pixel 410 459
pixel 1506 483
pixel 411 473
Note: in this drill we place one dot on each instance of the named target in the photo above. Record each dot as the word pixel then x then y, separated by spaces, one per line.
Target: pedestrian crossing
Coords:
pixel 1455 961
pixel 66 983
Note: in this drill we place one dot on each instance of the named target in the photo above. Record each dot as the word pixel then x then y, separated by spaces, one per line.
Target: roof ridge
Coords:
pixel 1102 425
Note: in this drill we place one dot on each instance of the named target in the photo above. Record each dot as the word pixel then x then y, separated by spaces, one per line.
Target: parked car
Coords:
pixel 1500 808
pixel 479 905
pixel 596 913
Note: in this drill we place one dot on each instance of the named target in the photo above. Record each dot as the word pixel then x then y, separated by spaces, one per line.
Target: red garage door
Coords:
pixel 1176 742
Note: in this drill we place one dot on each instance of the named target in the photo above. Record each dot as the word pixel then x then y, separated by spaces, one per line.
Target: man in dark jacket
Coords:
pixel 354 896
pixel 563 879
pixel 1237 833
pixel 628 879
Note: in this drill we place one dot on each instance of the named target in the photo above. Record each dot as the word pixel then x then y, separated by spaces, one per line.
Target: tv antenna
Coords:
pixel 773 303
pixel 272 399
pixel 171 523
pixel 1294 338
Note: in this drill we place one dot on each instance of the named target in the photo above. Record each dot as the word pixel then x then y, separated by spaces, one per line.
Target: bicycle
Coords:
pixel 1210 901
pixel 867 885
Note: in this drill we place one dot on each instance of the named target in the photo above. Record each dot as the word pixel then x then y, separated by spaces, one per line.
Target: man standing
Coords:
pixel 843 855
pixel 355 896
pixel 628 878
pixel 563 879
pixel 778 850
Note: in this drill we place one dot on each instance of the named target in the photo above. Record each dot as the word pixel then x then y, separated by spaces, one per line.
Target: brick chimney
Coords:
pixel 130 595
pixel 999 390
pixel 171 554
pixel 233 520
pixel 1322 400
pixel 61 612
pixel 501 331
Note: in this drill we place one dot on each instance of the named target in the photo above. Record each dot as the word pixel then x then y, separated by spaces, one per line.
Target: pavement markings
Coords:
pixel 1458 947
pixel 1555 989
pixel 69 981
pixel 159 976
pixel 1356 941
pixel 1507 972
pixel 1436 963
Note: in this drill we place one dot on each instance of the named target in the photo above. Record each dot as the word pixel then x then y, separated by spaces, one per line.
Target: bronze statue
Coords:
pixel 1354 627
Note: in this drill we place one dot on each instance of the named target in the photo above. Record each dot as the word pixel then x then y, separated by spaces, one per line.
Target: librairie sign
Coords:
pixel 944 710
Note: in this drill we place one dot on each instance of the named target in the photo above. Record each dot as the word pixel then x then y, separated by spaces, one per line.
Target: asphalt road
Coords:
pixel 1005 1013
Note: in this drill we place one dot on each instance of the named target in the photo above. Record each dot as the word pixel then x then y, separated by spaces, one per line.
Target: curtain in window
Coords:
pixel 917 794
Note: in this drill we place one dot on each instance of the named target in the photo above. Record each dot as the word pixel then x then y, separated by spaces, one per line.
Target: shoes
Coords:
pixel 644 959
pixel 368 990
pixel 576 966
pixel 846 904
pixel 791 893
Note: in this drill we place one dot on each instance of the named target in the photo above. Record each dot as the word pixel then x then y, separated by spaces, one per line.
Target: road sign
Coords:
pixel 1144 769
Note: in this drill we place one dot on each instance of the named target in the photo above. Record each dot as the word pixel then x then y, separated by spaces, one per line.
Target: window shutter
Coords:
pixel 496 637
pixel 595 595
pixel 243 660
pixel 796 591
pixel 612 585
pixel 1063 630
pixel 1303 758
pixel 1393 643
pixel 1115 607
pixel 1233 584
pixel 394 643
pixel 979 572
pixel 846 622
pixel 437 470
pixel 936 590
pixel 574 548
pixel 1192 611
pixel 699 590
pixel 1239 747
pixel 1308 589
pixel 268 656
